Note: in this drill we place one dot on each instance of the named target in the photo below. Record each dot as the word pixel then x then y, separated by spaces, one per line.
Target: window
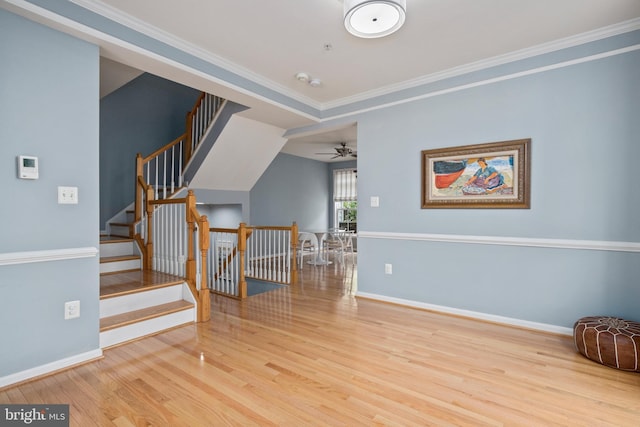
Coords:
pixel 345 197
pixel 347 216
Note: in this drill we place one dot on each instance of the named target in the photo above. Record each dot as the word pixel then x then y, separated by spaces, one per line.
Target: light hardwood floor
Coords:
pixel 314 355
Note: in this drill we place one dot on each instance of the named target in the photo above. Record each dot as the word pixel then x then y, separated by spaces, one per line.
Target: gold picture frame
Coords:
pixel 495 175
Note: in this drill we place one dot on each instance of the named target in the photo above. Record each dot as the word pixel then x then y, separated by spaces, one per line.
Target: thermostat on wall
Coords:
pixel 27 167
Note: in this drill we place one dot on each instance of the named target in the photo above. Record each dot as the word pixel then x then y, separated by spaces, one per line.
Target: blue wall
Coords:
pixel 224 197
pixel 140 117
pixel 48 108
pixel 583 122
pixel 292 189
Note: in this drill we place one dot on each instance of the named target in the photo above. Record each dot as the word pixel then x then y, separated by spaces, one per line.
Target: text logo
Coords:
pixel 34 415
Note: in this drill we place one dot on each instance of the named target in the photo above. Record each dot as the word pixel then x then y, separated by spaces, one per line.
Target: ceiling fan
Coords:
pixel 342 151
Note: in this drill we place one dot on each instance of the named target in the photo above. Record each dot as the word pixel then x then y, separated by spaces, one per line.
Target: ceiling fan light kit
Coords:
pixel 374 18
pixel 342 151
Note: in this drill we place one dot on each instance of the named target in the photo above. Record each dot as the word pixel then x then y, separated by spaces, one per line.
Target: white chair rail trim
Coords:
pixel 11 258
pixel 595 245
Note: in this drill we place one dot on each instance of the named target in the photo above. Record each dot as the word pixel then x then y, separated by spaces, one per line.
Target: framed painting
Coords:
pixel 493 175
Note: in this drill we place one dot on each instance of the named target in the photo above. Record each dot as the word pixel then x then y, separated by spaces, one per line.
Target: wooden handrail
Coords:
pixel 169 201
pixel 270 227
pixel 161 150
pixel 196 105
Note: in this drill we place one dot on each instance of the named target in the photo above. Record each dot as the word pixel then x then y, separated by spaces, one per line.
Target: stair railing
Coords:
pixel 198 121
pixel 163 169
pixel 177 242
pixel 265 253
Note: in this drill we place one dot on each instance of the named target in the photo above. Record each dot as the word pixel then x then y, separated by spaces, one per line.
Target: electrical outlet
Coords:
pixel 68 195
pixel 388 269
pixel 71 310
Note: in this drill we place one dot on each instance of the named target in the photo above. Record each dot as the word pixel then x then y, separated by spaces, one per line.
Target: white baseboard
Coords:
pixel 49 368
pixel 544 327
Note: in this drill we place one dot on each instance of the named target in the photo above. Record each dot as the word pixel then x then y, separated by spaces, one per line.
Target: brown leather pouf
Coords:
pixel 610 341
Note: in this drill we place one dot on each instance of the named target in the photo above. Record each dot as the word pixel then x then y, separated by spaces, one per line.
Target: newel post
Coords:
pixel 190 266
pixel 242 247
pixel 204 303
pixel 294 248
pixel 138 201
pixel 147 263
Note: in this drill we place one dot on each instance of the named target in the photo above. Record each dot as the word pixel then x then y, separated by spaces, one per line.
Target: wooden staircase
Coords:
pixel 133 302
pixel 136 301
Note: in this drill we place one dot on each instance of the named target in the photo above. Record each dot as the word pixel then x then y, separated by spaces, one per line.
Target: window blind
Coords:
pixel 345 185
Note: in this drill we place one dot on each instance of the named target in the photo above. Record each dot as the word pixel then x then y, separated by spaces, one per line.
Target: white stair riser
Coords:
pixel 140 300
pixel 118 249
pixel 146 327
pixel 110 267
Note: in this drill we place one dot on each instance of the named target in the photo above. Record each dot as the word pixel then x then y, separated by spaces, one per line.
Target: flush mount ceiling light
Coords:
pixel 374 18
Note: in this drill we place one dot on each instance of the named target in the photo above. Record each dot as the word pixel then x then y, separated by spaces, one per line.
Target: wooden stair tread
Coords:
pixel 129 282
pixel 117 258
pixel 114 239
pixel 132 317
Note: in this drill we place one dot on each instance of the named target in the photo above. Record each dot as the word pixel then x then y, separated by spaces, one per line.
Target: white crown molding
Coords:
pixel 12 258
pixel 488 81
pixel 595 245
pixel 50 368
pixel 147 29
pixel 84 32
pixel 576 40
pixel 470 314
pixel 154 32
pixel 108 12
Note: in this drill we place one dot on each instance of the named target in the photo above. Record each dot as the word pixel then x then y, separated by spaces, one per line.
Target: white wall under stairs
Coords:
pixel 240 155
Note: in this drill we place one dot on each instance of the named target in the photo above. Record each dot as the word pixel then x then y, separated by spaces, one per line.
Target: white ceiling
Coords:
pixel 268 42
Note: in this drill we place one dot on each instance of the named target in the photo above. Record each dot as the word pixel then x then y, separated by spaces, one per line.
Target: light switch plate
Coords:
pixel 375 201
pixel 68 195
